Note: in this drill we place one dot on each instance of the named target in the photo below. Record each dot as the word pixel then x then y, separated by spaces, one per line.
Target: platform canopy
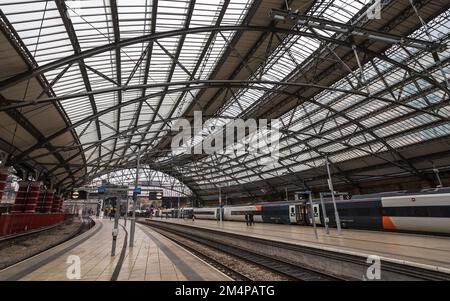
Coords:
pixel 86 86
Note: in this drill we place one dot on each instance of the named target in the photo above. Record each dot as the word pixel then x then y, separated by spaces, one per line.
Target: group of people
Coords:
pixel 249 219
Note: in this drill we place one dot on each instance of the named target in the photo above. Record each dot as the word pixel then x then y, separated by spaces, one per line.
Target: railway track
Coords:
pixel 287 270
pixel 12 245
pixel 298 262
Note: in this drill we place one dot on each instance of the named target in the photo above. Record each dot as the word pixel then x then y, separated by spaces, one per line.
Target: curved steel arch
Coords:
pixel 189 86
pixel 161 35
pixel 112 174
pixel 118 44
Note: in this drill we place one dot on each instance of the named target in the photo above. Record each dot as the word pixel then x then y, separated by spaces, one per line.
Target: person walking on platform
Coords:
pixel 247 218
pixel 252 221
pixel 193 217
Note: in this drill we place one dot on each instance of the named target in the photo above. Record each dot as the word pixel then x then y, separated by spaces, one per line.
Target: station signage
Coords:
pixel 101 189
pixel 155 195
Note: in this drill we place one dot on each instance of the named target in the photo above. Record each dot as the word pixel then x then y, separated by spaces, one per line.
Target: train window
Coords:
pixel 418 211
pixel 204 212
pixel 254 212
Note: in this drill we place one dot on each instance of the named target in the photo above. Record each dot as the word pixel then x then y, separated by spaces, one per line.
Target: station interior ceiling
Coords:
pixel 88 87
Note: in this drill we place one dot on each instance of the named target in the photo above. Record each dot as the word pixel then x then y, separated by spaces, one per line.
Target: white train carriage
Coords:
pixel 186 212
pixel 205 213
pixel 238 213
pixel 424 213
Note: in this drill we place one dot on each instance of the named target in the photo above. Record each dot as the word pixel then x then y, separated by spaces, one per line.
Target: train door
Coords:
pixel 300 214
pixel 292 215
pixel 317 219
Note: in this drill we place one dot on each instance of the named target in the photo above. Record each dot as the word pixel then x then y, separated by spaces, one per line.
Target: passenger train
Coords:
pixel 426 211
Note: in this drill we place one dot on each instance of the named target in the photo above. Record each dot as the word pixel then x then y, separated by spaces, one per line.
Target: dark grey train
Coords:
pixel 426 211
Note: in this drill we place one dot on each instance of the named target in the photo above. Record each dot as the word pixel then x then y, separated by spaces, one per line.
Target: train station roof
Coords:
pixel 87 86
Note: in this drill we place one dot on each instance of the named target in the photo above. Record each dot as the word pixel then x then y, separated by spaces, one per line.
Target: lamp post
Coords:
pixel 115 231
pixel 330 185
pixel 136 183
pixel 324 212
pixel 220 204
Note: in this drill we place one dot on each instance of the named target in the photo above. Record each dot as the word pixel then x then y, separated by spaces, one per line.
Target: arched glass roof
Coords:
pixel 344 83
pixel 148 179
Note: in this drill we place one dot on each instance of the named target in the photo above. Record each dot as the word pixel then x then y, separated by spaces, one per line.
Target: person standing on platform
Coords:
pixel 247 221
pixel 252 221
pixel 193 217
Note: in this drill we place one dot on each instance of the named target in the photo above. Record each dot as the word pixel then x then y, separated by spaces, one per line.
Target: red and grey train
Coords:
pixel 427 211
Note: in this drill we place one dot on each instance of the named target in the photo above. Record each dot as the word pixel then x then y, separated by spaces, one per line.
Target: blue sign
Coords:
pixel 137 190
pixel 101 189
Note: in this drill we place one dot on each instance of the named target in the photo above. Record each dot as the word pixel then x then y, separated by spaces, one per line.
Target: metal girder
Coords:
pixel 62 9
pixel 20 119
pixel 175 62
pixel 115 22
pixel 47 89
pixel 200 58
pixel 80 55
pixel 203 84
pixel 146 70
pixel 292 95
pixel 355 31
pixel 364 49
pixel 191 84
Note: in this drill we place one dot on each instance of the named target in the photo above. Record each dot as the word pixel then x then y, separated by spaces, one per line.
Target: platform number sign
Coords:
pixel 137 190
pixel 101 190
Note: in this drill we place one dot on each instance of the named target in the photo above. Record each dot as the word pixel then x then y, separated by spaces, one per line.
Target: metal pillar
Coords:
pixel 87 199
pixel 179 213
pixel 115 231
pixel 324 212
pixel 125 215
pixel 330 185
pixel 133 218
pixel 220 204
pixel 313 218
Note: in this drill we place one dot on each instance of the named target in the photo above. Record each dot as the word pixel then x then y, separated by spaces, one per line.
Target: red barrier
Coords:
pixel 47 208
pixel 21 197
pixel 41 201
pixel 22 222
pixel 4 172
pixel 56 204
pixel 32 197
pixel 60 207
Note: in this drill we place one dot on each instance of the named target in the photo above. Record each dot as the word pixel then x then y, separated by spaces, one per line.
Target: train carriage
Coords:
pixel 237 213
pixel 427 211
pixel 205 213
pixel 424 213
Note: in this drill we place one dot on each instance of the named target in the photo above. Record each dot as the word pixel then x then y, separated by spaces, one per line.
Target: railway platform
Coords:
pixel 153 257
pixel 415 250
